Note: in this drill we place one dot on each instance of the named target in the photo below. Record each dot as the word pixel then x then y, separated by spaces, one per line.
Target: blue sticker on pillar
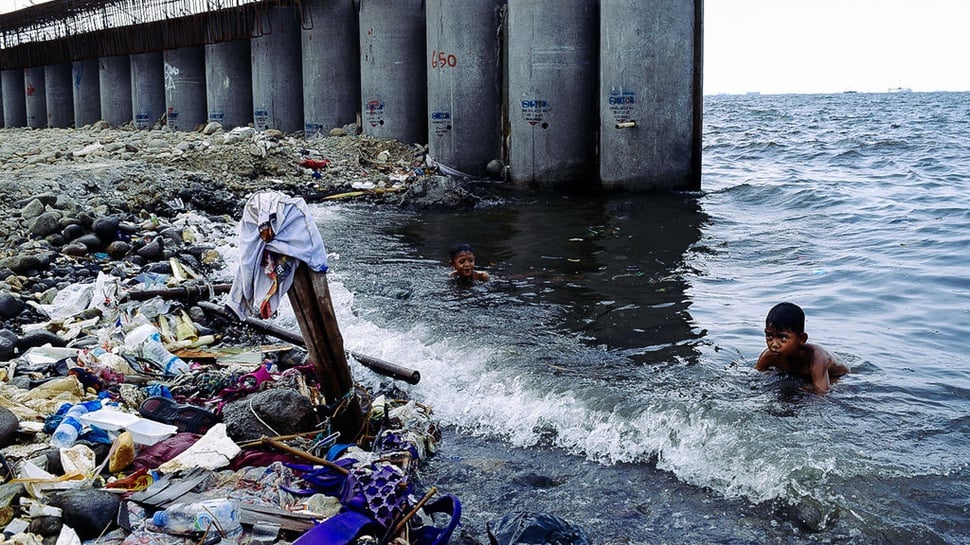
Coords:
pixel 261 118
pixel 534 111
pixel 622 103
pixel 441 122
pixel 374 112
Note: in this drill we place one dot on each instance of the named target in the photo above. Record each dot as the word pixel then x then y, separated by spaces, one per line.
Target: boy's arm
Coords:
pixel 822 361
pixel 764 361
pixel 820 378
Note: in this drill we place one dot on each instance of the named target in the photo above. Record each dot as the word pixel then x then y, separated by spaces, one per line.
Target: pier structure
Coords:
pixel 600 95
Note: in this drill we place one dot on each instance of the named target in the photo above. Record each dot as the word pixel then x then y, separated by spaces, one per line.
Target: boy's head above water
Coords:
pixel 786 316
pixel 458 249
pixel 463 260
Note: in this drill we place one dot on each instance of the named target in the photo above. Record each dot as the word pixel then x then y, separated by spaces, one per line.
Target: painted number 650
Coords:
pixel 441 60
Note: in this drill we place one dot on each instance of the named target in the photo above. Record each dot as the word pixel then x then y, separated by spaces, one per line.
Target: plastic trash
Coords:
pixel 146 341
pixel 70 427
pixel 217 515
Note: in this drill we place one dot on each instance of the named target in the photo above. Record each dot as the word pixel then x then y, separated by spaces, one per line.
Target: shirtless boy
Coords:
pixel 790 352
pixel 463 261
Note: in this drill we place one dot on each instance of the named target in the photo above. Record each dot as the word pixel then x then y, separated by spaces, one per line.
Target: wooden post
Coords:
pixel 310 298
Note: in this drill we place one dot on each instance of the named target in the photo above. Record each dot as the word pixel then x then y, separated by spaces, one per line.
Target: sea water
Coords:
pixel 605 374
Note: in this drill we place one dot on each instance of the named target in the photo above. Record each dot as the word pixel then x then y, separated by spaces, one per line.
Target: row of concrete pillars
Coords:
pixel 554 88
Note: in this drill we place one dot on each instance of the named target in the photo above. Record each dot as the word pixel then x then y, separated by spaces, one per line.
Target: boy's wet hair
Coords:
pixel 459 249
pixel 786 316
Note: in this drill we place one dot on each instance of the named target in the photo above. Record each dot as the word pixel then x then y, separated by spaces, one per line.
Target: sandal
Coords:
pixel 185 417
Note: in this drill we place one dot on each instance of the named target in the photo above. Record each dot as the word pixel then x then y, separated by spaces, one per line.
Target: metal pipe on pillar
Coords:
pixel 60 98
pixel 147 89
pixel 552 66
pixel 393 78
pixel 114 86
pixel 331 75
pixel 86 92
pixel 277 70
pixel 185 94
pixel 464 87
pixel 35 93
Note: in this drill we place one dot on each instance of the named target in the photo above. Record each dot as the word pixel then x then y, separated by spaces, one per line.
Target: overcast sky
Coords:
pixel 805 46
pixel 809 46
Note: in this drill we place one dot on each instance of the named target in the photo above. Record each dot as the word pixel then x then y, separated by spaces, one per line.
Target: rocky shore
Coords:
pixel 79 206
pixel 66 194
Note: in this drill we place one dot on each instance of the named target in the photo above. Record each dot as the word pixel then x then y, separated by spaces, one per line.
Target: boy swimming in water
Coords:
pixel 463 260
pixel 789 352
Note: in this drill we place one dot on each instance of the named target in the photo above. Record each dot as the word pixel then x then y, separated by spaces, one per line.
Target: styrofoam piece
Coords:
pixel 109 419
pixel 149 432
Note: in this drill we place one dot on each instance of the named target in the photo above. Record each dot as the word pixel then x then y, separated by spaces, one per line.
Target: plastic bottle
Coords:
pixel 70 427
pixel 217 515
pixel 146 341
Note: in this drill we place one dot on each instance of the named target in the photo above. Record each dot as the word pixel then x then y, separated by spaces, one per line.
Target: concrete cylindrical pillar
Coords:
pixel 393 77
pixel 464 84
pixel 229 83
pixel 147 89
pixel 114 86
pixel 646 94
pixel 35 91
pixel 1 105
pixel 60 97
pixel 86 92
pixel 552 68
pixel 14 98
pixel 185 88
pixel 331 73
pixel 277 70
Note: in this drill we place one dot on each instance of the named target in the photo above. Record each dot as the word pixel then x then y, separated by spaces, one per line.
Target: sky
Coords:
pixel 823 46
pixel 819 46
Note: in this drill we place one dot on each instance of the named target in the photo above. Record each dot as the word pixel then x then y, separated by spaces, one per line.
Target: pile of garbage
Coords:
pixel 130 412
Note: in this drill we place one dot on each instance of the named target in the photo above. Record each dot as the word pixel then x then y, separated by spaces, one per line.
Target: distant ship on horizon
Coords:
pixel 900 90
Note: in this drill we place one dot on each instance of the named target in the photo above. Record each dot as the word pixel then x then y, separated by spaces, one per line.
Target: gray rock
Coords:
pixel 88 512
pixel 438 192
pixel 495 168
pixel 39 337
pixel 45 199
pixel 284 410
pixel 10 305
pixel 45 224
pixel 118 249
pixel 211 128
pixel 8 344
pixel 106 228
pixel 152 251
pixel 90 240
pixel 75 248
pixel 72 231
pixel 32 209
pixel 8 426
pixel 22 264
pixel 46 526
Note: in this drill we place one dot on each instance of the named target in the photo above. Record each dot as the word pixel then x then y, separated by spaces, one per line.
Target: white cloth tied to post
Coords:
pixel 266 267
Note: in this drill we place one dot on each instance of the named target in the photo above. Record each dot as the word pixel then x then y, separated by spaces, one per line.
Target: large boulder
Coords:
pixel 438 192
